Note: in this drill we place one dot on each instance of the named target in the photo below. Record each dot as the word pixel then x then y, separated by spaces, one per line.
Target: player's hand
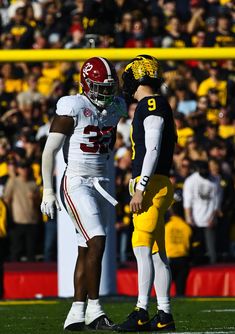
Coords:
pixel 49 203
pixel 136 201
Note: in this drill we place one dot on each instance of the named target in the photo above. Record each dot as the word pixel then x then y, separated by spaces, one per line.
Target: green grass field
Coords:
pixel 198 315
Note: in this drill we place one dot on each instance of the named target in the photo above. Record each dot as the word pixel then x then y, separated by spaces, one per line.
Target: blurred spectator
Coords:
pixel 40 41
pixel 37 9
pixel 222 36
pixel 218 150
pixel 194 150
pixel 211 135
pixel 123 30
pixel 214 81
pixel 199 38
pixel 31 93
pixel 156 29
pixel 202 198
pixel 169 9
pixel 12 79
pixel 197 16
pixel 5 97
pixel 226 125
pixel 139 38
pixel 185 104
pixel 4 150
pixel 178 235
pixel 197 119
pixel 226 212
pixel 183 130
pixel 210 24
pixel 76 40
pixel 177 38
pixel 22 31
pixel 183 170
pixel 23 199
pixel 214 105
pixel 4 17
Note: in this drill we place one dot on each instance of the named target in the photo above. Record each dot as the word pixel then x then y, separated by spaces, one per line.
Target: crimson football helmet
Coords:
pixel 99 81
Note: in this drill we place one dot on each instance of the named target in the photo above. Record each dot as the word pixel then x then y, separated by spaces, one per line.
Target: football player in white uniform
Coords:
pixel 85 126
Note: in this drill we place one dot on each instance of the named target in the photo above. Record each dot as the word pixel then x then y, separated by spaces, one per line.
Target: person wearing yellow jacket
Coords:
pixel 178 236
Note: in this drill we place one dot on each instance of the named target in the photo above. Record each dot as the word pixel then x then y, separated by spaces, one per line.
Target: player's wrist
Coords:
pixel 140 187
pixel 142 184
pixel 48 192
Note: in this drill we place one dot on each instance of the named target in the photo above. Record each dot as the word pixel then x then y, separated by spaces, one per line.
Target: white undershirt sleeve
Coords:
pixel 153 127
pixel 54 143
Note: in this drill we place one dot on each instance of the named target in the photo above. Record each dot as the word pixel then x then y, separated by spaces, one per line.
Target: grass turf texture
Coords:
pixel 198 315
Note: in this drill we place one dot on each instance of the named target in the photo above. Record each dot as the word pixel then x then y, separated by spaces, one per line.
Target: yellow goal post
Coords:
pixel 118 54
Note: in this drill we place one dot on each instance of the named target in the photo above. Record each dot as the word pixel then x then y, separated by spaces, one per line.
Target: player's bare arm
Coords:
pixel 62 124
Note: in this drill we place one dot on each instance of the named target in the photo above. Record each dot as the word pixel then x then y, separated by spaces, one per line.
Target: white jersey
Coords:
pixel 86 151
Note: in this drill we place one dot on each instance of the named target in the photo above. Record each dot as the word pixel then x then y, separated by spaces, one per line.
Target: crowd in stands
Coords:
pixel 201 94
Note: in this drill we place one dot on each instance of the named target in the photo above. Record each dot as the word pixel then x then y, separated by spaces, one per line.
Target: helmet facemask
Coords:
pixel 99 81
pixel 101 93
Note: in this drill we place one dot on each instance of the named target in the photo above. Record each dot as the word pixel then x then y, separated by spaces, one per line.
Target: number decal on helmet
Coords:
pixel 87 68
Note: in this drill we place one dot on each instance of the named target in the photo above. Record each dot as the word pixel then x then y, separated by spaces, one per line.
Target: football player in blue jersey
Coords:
pixel 153 138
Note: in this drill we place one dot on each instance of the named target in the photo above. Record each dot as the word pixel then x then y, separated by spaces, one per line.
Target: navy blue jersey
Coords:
pixel 148 106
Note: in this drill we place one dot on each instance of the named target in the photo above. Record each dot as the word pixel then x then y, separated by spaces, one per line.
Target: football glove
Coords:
pixel 49 203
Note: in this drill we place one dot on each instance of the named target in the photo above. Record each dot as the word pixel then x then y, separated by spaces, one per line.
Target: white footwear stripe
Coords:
pixel 106 65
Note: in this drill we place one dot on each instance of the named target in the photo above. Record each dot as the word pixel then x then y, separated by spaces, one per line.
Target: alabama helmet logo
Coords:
pixel 87 112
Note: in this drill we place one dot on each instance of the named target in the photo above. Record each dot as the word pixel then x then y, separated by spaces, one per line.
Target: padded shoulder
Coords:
pixel 69 105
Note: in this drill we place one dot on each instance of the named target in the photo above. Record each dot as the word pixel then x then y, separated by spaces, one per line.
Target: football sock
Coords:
pixel 76 314
pixel 162 281
pixel 93 310
pixel 145 275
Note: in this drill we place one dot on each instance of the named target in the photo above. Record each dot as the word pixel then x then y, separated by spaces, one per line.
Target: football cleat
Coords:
pixel 137 321
pixel 162 322
pixel 102 323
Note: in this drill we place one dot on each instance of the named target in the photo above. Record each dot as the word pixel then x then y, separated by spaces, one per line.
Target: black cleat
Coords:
pixel 162 322
pixel 75 327
pixel 102 323
pixel 137 321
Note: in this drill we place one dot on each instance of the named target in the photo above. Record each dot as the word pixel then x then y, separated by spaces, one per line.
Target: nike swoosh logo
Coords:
pixel 141 323
pixel 159 325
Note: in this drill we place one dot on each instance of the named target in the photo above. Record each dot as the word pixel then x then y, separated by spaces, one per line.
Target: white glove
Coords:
pixel 49 203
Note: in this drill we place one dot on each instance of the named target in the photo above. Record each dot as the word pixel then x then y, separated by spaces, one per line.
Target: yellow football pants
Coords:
pixel 149 224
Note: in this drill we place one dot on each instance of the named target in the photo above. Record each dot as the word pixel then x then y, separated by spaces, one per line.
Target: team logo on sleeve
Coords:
pixel 87 112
